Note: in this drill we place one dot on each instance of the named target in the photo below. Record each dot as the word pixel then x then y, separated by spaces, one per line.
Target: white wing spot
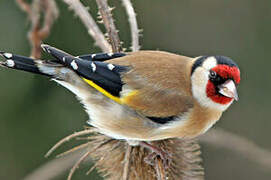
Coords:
pixel 110 54
pixel 74 65
pixel 63 59
pixel 110 66
pixel 10 63
pixel 43 48
pixel 93 66
pixel 8 55
pixel 93 56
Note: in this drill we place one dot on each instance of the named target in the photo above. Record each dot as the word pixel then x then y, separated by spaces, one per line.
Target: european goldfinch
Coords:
pixel 142 96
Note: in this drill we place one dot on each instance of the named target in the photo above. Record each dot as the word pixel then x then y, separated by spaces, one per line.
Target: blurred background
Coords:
pixel 35 113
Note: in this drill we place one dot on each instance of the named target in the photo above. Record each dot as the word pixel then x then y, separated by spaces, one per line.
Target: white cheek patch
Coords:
pixel 199 81
pixel 209 63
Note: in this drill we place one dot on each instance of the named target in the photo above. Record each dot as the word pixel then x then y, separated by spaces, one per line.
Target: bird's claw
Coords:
pixel 165 156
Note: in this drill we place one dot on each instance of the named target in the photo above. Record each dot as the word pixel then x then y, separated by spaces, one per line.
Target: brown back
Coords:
pixel 161 79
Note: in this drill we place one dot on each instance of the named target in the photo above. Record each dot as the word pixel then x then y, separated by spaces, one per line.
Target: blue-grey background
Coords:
pixel 36 112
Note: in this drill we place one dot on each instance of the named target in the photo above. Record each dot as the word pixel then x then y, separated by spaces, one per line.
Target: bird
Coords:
pixel 142 96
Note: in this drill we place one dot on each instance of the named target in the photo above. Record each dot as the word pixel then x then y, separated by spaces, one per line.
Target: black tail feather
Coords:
pixel 18 62
pixel 89 67
pixel 101 56
pixel 57 53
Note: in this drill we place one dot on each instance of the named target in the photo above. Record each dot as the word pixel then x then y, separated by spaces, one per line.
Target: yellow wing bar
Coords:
pixel 103 91
pixel 122 100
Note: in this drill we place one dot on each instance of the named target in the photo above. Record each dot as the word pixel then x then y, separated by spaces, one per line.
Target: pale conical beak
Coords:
pixel 228 89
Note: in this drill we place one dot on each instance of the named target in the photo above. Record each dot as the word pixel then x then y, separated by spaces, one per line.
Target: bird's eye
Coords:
pixel 212 74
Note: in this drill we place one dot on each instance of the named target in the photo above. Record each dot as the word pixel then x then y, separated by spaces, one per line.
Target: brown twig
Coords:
pixel 127 161
pixel 39 32
pixel 133 24
pixel 54 167
pixel 92 28
pixel 76 165
pixel 85 156
pixel 24 6
pixel 76 148
pixel 51 13
pixel 105 12
pixel 246 148
pixel 160 171
pixel 74 135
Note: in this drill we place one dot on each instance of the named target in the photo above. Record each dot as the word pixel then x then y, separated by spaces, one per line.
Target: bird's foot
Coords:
pixel 165 156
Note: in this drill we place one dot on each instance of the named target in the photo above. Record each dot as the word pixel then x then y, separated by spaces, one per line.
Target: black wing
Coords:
pixel 105 75
pixel 90 67
pixel 101 56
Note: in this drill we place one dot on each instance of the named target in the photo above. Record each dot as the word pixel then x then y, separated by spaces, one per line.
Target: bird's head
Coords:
pixel 214 80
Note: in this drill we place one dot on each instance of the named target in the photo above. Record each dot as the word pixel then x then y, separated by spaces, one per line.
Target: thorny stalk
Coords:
pixel 92 28
pixel 108 21
pixel 133 24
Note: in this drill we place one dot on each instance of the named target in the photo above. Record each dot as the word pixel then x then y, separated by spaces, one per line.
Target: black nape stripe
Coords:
pixel 225 60
pixel 198 63
pixel 162 120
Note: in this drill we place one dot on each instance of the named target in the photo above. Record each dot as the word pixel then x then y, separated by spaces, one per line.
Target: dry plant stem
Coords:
pixel 91 169
pixel 54 167
pixel 76 165
pixel 51 13
pixel 39 32
pixel 215 137
pixel 92 28
pixel 76 148
pixel 133 24
pixel 85 156
pixel 127 161
pixel 80 133
pixel 230 141
pixel 24 6
pixel 160 171
pixel 185 164
pixel 108 22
